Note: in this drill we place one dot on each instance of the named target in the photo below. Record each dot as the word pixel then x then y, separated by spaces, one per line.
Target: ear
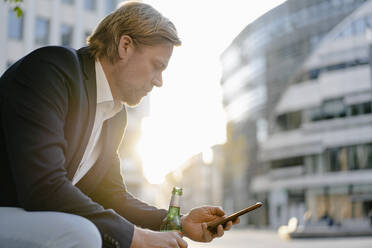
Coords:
pixel 125 47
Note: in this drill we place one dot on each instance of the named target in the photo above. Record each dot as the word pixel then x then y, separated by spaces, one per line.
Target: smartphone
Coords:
pixel 212 226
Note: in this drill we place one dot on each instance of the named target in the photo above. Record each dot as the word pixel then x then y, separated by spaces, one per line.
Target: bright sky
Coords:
pixel 186 114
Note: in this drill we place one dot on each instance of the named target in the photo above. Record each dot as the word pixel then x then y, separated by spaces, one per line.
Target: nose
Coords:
pixel 158 82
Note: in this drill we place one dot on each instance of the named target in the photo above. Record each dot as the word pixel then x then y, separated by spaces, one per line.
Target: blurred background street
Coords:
pixel 262 239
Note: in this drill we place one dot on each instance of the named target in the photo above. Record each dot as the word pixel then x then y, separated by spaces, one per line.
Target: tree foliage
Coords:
pixel 16 6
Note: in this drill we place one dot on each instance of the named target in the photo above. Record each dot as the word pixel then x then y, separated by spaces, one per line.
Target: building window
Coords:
pixel 355 110
pixel 15 26
pixel 314 74
pixel 360 156
pixel 287 162
pixel 110 6
pixel 363 156
pixel 66 35
pixel 42 31
pixel 366 107
pixel 338 160
pixel 352 158
pixel 332 159
pixel 342 159
pixel 356 157
pixel 359 109
pixel 312 164
pixel 289 121
pixel 70 2
pixel 90 5
pixel 333 109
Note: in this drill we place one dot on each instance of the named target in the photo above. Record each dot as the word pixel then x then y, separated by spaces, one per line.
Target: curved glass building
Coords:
pixel 320 151
pixel 257 68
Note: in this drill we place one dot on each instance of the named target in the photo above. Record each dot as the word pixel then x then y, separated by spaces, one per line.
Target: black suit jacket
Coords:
pixel 47 111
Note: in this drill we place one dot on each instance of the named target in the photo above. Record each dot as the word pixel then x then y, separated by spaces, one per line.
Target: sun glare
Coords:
pixel 186 114
pixel 162 149
pixel 208 156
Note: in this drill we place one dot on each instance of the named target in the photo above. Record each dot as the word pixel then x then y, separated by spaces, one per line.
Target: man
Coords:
pixel 61 122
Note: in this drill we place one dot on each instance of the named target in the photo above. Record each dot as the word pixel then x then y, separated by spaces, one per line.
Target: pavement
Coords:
pixel 331 233
pixel 248 238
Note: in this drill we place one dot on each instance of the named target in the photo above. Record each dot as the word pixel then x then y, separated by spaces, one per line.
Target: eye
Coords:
pixel 159 66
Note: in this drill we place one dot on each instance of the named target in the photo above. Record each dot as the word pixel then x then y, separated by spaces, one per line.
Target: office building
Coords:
pixel 257 69
pixel 320 152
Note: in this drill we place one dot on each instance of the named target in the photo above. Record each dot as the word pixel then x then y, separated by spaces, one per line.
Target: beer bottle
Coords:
pixel 172 222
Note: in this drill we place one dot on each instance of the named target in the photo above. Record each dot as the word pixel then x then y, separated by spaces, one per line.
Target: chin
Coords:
pixel 133 102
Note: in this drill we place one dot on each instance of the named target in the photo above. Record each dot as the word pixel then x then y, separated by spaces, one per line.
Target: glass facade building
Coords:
pixel 257 68
pixel 322 133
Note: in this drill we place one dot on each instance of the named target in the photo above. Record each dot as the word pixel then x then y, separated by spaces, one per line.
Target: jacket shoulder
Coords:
pixel 55 54
pixel 53 58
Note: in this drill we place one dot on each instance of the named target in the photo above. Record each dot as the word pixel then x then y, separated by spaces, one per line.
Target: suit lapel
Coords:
pixel 89 81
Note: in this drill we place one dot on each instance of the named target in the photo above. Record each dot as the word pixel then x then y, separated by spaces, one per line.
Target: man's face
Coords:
pixel 139 71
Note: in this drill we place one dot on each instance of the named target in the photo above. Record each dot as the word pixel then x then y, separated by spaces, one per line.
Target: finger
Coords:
pixel 228 225
pixel 236 221
pixel 219 231
pixel 207 235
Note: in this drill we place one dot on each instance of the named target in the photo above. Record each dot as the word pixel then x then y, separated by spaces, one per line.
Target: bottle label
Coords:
pixel 175 201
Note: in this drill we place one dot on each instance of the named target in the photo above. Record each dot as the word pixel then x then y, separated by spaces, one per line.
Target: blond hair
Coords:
pixel 144 24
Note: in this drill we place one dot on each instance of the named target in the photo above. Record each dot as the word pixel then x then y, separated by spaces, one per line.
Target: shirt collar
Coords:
pixel 103 88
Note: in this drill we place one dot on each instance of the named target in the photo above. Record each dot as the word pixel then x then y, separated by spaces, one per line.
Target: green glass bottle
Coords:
pixel 172 222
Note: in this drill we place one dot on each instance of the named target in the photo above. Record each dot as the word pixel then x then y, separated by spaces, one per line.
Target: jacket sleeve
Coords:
pixel 112 193
pixel 33 110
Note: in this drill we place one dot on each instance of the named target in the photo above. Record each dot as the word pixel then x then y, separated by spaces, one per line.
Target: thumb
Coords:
pixel 217 211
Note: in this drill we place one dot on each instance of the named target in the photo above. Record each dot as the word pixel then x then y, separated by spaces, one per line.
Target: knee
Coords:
pixel 79 232
pixel 87 235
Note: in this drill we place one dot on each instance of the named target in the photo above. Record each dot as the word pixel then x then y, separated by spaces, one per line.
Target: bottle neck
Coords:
pixel 174 205
pixel 175 201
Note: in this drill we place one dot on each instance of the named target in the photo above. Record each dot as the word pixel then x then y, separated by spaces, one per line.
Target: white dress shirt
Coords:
pixel 106 108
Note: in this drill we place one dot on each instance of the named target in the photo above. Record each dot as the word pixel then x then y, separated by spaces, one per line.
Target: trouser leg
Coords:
pixel 20 228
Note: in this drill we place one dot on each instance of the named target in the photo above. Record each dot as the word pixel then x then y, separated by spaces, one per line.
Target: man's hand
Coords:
pixel 194 224
pixel 143 238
